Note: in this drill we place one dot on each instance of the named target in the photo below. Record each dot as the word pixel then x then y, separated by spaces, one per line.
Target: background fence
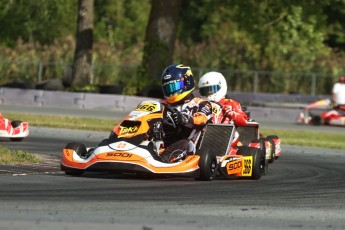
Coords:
pixel 253 81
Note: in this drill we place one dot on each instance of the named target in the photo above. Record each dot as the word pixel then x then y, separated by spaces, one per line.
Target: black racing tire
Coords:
pixel 80 149
pixel 316 120
pixel 261 141
pixel 273 148
pixel 16 139
pixel 15 124
pixel 74 172
pixel 258 165
pixel 208 165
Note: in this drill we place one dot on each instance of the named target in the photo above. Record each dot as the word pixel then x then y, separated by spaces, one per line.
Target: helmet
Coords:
pixel 212 85
pixel 342 79
pixel 177 82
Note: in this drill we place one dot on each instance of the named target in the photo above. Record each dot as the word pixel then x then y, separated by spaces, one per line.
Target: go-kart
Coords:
pixel 15 130
pixel 249 135
pixel 135 145
pixel 322 112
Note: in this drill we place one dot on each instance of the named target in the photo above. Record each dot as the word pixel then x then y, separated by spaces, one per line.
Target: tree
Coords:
pixel 39 21
pixel 160 39
pixel 82 66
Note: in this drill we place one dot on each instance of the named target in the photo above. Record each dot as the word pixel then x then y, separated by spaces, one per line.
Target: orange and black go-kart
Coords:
pixel 322 112
pixel 15 130
pixel 135 146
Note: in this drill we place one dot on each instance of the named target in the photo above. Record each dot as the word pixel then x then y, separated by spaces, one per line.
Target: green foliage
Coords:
pixel 283 37
pixel 36 21
pixel 288 42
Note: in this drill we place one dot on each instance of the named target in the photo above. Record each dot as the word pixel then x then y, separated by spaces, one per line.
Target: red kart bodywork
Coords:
pixel 15 130
pixel 322 113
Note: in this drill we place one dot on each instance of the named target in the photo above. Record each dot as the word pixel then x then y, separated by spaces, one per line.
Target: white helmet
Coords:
pixel 212 85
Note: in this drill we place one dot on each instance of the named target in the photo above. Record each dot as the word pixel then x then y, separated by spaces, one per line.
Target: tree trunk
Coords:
pixel 159 40
pixel 82 66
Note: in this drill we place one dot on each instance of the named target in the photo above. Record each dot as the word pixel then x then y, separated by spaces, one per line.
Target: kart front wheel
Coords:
pixel 79 148
pixel 207 165
pixel 74 172
pixel 16 139
pixel 81 151
pixel 15 124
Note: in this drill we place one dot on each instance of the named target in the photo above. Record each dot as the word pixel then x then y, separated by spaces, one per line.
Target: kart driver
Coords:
pixel 338 93
pixel 212 86
pixel 190 114
pixel 336 115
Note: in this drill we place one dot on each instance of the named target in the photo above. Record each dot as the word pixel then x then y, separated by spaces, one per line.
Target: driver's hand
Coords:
pixel 228 112
pixel 177 117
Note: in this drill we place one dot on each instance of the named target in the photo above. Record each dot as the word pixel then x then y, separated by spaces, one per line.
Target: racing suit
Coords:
pixel 228 111
pixel 181 141
pixel 231 111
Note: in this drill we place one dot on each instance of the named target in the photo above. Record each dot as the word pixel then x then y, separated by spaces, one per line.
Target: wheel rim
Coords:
pixel 213 167
pixel 262 165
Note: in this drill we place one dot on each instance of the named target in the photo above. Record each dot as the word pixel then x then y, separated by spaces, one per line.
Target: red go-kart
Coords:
pixel 16 130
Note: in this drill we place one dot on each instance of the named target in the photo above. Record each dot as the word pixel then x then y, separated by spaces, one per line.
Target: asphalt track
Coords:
pixel 305 189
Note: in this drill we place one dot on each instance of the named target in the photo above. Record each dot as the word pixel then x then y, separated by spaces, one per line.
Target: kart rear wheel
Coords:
pixel 273 148
pixel 259 161
pixel 316 120
pixel 263 149
pixel 208 165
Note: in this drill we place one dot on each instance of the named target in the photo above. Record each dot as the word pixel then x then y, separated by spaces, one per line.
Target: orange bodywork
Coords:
pixel 188 165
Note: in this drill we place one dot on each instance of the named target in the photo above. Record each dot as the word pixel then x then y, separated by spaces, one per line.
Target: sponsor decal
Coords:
pixel 147 107
pixel 166 77
pixel 128 130
pixel 119 154
pixel 121 145
pixel 67 152
pixel 247 166
pixel 215 110
pixel 234 167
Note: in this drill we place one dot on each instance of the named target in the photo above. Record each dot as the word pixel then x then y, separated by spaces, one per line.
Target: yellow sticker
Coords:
pixel 147 107
pixel 128 130
pixel 215 109
pixel 247 169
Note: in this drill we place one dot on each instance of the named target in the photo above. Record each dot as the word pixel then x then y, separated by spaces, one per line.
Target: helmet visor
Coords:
pixel 209 90
pixel 172 87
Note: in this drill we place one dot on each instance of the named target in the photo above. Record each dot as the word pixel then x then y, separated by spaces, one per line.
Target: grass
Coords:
pixel 9 156
pixel 68 122
pixel 309 138
pixel 290 137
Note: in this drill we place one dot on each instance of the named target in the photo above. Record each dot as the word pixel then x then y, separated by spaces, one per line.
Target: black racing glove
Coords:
pixel 177 117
